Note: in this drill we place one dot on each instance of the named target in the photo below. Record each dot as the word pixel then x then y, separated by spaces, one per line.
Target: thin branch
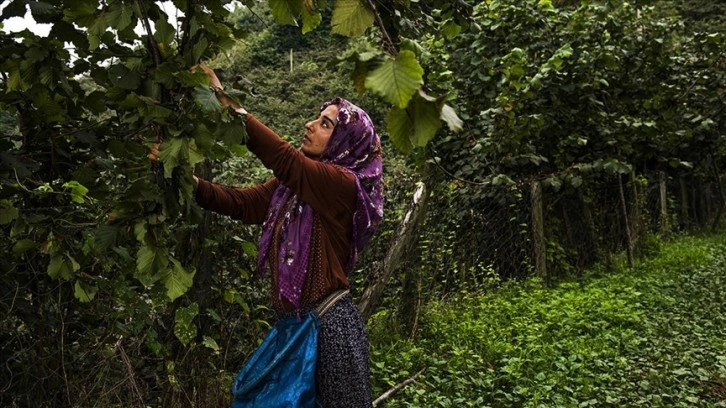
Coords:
pixel 19 183
pixel 186 28
pixel 391 48
pixel 62 348
pixel 149 37
pixel 396 388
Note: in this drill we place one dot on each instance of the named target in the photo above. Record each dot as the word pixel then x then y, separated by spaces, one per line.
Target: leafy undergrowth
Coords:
pixel 655 336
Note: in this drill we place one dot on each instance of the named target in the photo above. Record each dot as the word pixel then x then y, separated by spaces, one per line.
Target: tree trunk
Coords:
pixel 663 203
pixel 400 249
pixel 719 191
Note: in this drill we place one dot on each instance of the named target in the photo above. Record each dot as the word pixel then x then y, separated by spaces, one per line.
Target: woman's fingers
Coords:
pixel 227 101
pixel 154 153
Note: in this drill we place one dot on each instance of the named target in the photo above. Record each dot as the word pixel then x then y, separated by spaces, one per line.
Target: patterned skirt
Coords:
pixel 343 371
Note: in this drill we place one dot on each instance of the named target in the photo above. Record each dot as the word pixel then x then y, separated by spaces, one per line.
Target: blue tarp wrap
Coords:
pixel 281 372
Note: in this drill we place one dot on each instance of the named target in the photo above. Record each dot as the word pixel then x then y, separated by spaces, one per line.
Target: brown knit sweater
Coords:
pixel 328 189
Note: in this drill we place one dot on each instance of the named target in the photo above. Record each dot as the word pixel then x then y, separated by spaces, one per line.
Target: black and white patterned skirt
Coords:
pixel 343 373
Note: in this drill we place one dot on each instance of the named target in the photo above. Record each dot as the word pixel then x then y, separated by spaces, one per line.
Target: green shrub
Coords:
pixel 652 336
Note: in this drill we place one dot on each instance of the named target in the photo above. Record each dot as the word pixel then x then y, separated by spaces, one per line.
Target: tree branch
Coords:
pixel 396 388
pixel 388 42
pixel 186 27
pixel 149 37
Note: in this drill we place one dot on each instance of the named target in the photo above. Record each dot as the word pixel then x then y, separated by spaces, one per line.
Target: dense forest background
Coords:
pixel 527 143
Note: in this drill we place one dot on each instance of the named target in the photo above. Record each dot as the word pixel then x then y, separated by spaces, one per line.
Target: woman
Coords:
pixel 318 212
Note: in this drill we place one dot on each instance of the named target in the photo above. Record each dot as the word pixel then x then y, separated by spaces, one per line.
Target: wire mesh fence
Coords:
pixel 537 228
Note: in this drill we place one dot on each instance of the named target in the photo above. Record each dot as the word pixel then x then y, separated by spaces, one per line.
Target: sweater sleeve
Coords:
pixel 246 204
pixel 329 189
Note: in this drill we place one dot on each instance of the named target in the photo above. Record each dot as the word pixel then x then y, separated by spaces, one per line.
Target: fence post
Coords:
pixel 590 223
pixel 635 217
pixel 540 246
pixel 663 203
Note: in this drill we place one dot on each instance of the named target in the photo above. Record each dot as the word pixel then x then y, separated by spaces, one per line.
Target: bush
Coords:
pixel 652 336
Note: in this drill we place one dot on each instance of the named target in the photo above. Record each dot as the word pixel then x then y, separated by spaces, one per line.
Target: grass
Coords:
pixel 654 336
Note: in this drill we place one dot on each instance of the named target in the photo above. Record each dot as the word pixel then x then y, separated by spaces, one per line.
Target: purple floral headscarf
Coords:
pixel 354 146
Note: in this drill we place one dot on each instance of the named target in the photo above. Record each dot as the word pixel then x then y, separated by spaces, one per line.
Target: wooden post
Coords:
pixel 400 250
pixel 291 60
pixel 626 223
pixel 540 246
pixel 663 203
pixel 635 211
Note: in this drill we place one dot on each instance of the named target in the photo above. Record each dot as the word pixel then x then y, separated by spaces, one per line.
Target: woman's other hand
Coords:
pixel 154 156
pixel 154 153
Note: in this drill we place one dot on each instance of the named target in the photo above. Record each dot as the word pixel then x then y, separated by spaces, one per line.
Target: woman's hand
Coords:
pixel 154 153
pixel 154 156
pixel 213 80
pixel 224 99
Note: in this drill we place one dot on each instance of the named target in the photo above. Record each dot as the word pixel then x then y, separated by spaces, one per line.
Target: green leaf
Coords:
pixel 164 31
pixel 23 246
pixel 351 18
pixel 120 16
pixel 13 9
pixel 210 343
pixel 239 150
pixel 35 54
pixel 130 80
pixel 397 79
pixel 206 99
pixel 184 328
pixel 80 12
pixel 8 213
pixel 546 5
pixel 78 191
pixel 416 125
pixel 451 29
pixel 16 81
pixel 250 249
pixel 286 11
pixel 233 133
pixel 399 126
pixel 171 154
pixel 229 295
pixel 199 48
pixel 150 262
pixel 105 236
pixel 84 292
pixel 61 266
pixel 96 31
pixel 177 280
pixel 310 20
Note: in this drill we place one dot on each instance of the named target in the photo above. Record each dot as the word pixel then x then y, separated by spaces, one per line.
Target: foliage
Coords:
pixel 116 288
pixel 651 336
pixel 577 96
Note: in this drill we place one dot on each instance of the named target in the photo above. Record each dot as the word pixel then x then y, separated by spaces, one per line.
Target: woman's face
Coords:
pixel 318 131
